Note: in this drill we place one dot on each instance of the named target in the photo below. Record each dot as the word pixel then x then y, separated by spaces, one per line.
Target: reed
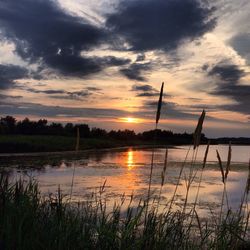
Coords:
pixel 198 130
pixel 196 143
pixel 74 167
pixel 246 192
pixel 163 175
pixel 157 118
pixel 220 166
pixel 248 179
pixel 200 179
pixel 229 157
pixel 178 180
pixel 224 175
pixel 30 221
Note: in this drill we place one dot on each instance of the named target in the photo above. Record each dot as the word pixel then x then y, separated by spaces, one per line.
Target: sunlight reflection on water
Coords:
pixel 127 172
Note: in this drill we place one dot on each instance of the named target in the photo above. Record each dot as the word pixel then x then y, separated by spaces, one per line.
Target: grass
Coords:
pixel 30 221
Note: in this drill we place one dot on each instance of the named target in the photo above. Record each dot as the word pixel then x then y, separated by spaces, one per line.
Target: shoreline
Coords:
pixel 90 150
pixel 60 153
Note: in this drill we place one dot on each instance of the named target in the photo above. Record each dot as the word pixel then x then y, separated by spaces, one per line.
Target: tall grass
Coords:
pixel 29 221
pixel 157 118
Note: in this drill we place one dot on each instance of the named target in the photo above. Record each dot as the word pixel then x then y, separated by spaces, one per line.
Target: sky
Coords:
pixel 102 62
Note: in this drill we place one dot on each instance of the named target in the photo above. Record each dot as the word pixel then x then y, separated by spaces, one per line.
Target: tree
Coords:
pixel 55 129
pixel 84 130
pixel 98 132
pixel 69 129
pixel 8 125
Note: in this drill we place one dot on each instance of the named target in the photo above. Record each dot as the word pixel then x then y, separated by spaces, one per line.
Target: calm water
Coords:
pixel 127 172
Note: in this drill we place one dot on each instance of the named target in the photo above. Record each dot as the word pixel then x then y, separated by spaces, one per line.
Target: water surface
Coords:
pixel 127 171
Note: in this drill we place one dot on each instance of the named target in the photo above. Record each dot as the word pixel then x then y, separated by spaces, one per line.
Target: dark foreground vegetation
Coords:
pixel 30 221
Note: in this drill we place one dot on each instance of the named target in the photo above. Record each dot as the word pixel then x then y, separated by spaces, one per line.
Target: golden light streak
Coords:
pixel 130 160
pixel 130 120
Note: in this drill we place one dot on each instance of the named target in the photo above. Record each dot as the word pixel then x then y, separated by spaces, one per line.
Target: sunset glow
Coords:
pixel 130 160
pixel 130 120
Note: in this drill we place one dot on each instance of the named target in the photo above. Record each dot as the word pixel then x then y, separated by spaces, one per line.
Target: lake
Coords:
pixel 126 171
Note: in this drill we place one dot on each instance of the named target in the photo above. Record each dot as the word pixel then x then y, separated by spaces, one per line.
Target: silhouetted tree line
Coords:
pixel 9 126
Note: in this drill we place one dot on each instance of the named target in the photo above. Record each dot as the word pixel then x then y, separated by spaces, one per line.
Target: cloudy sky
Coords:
pixel 102 61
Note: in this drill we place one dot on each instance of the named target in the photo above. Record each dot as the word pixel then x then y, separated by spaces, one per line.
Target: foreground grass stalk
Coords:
pixel 158 114
pixel 196 143
pixel 163 174
pixel 199 185
pixel 74 165
pixel 151 173
pixel 244 199
pixel 224 175
pixel 178 180
pixel 223 181
pixel 190 179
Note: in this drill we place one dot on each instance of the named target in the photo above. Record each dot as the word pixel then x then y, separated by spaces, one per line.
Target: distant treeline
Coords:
pixel 233 140
pixel 10 126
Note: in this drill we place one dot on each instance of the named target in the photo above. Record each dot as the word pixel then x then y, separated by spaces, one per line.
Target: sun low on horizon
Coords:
pixel 130 120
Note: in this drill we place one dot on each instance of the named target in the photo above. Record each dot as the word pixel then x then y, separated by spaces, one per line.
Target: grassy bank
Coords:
pixel 36 143
pixel 29 221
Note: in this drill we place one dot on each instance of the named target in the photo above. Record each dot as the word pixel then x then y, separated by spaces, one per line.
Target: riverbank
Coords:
pixel 44 143
pixel 19 144
pixel 38 158
pixel 38 150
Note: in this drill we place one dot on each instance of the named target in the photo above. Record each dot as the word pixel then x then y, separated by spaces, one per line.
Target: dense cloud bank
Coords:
pixel 46 34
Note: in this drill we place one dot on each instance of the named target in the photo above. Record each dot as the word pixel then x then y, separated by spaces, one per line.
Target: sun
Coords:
pixel 130 120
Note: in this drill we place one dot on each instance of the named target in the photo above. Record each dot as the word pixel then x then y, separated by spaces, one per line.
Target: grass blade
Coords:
pixel 158 114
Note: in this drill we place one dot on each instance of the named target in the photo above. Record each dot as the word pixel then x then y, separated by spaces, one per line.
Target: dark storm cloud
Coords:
pixel 112 61
pixel 135 71
pixel 14 97
pixel 140 57
pixel 144 90
pixel 72 95
pixel 160 24
pixel 207 107
pixel 228 73
pixel 228 77
pixel 9 73
pixel 169 110
pixel 240 43
pixel 93 89
pixel 173 110
pixel 63 94
pixel 27 109
pixel 45 33
pixel 48 92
